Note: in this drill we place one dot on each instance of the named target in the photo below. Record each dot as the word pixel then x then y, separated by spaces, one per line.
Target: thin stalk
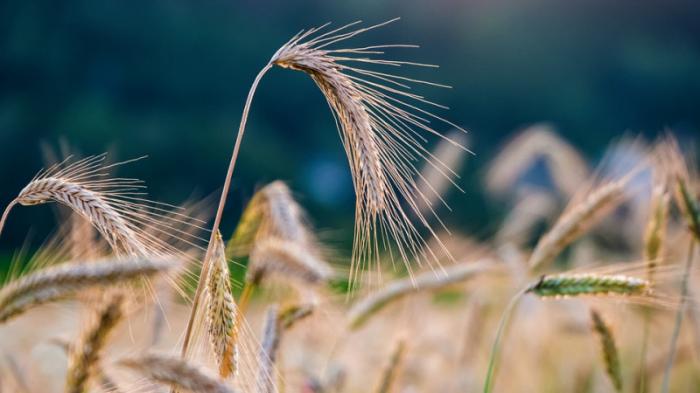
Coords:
pixel 495 349
pixel 6 213
pixel 220 211
pixel 642 378
pixel 679 318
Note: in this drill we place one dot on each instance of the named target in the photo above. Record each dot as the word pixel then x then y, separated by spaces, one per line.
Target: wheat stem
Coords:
pixel 679 318
pixel 6 213
pixel 220 211
pixel 495 349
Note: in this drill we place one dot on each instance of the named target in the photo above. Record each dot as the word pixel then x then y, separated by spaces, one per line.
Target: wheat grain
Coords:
pixel 84 356
pixel 655 233
pixel 221 312
pixel 609 350
pixel 176 373
pixel 56 282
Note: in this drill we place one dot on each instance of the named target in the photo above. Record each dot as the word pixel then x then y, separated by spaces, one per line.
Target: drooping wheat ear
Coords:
pixel 221 312
pixel 177 374
pixel 382 126
pixel 268 351
pixel 288 259
pixel 63 280
pixel 114 206
pixel 84 356
pixel 608 349
pixel 391 372
pixel 577 220
pixel 364 309
pixel 655 234
pixel 589 284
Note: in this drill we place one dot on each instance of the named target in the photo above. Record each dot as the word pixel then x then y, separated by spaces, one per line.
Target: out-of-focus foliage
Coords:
pixel 168 78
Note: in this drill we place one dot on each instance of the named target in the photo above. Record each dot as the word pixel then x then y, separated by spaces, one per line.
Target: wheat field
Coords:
pixel 135 295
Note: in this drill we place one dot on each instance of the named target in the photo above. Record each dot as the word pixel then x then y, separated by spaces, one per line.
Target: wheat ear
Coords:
pixel 56 282
pixel 380 122
pixel 84 356
pixel 364 309
pixel 589 284
pixel 576 221
pixel 222 312
pixel 608 349
pixel 176 373
pixel 289 259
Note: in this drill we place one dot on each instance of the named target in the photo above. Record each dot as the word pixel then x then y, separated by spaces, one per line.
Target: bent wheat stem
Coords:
pixel 6 213
pixel 220 211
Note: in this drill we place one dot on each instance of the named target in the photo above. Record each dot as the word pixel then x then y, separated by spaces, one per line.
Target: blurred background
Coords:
pixel 167 79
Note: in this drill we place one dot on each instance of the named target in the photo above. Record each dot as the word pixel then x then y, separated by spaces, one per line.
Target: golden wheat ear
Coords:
pixel 384 129
pixel 116 207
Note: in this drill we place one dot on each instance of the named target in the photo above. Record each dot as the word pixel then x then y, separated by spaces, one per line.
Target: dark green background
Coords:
pixel 168 78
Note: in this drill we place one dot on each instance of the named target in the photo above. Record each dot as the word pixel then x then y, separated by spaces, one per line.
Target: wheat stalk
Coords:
pixel 589 284
pixel 176 373
pixel 390 373
pixel 363 310
pixel 577 220
pixel 56 282
pixel 222 312
pixel 84 356
pixel 609 350
pixel 381 125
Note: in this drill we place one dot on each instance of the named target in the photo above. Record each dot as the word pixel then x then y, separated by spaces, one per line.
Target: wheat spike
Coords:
pixel 56 282
pixel 288 259
pixel 114 206
pixel 84 356
pixel 609 350
pixel 380 123
pixel 576 221
pixel 589 284
pixel 363 310
pixel 176 373
pixel 221 312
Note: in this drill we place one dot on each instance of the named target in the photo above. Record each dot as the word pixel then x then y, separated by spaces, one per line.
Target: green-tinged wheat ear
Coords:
pixel 391 372
pixel 84 356
pixel 64 280
pixel 588 284
pixel 364 309
pixel 222 312
pixel 177 374
pixel 609 350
